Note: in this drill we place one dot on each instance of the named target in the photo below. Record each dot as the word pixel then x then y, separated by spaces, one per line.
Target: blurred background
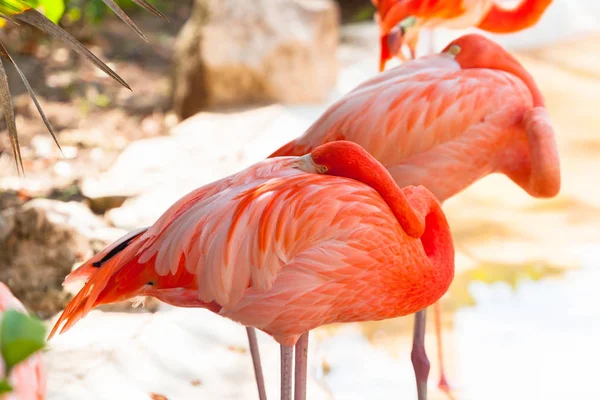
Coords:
pixel 221 86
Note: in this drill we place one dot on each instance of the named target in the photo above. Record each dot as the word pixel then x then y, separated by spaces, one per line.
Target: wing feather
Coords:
pixel 416 106
pixel 241 233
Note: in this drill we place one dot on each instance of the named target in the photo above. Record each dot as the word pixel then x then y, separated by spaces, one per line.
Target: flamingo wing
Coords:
pixel 399 115
pixel 243 236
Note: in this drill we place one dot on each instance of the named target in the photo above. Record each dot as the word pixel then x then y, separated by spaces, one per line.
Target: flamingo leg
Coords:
pixel 431 42
pixel 301 367
pixel 443 384
pixel 287 354
pixel 258 373
pixel 419 356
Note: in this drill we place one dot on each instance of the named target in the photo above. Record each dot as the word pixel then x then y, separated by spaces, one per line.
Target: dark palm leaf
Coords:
pixel 20 11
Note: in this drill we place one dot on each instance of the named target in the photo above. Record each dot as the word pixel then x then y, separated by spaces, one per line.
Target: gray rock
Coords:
pixel 234 52
pixel 40 242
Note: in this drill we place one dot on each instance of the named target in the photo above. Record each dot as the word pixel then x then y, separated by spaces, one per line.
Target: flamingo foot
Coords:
pixel 418 355
pixel 258 373
pixel 301 367
pixel 445 387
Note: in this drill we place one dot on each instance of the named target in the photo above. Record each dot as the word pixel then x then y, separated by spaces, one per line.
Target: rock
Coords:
pixel 156 172
pixel 233 52
pixel 40 242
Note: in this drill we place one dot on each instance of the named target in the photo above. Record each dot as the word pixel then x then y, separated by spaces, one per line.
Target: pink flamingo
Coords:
pixel 400 21
pixel 445 121
pixel 28 378
pixel 286 245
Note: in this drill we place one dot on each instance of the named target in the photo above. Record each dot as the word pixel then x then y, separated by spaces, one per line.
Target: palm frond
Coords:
pixel 9 116
pixel 149 7
pixel 23 11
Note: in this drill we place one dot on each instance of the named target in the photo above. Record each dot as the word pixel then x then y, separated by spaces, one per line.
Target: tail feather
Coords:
pixel 92 266
pixel 119 277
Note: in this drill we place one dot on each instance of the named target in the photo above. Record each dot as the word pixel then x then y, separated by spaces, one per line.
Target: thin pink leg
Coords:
pixel 431 42
pixel 443 384
pixel 419 356
pixel 287 355
pixel 258 373
pixel 301 367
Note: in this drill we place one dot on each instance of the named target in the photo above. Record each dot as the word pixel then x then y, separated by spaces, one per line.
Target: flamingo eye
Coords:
pixel 454 49
pixel 322 169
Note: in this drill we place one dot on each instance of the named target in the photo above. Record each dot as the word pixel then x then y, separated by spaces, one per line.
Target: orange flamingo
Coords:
pixel 287 245
pixel 400 21
pixel 445 121
pixel 28 378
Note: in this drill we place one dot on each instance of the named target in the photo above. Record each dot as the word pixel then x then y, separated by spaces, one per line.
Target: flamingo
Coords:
pixel 445 121
pixel 286 245
pixel 28 378
pixel 401 20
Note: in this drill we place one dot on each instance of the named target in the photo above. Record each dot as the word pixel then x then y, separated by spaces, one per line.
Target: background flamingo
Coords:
pixel 400 21
pixel 286 245
pixel 444 122
pixel 28 378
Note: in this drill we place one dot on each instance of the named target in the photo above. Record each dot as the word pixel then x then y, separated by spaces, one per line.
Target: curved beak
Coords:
pixel 391 43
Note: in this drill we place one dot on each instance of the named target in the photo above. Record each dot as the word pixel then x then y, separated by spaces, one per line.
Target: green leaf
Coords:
pixel 20 337
pixel 53 9
pixel 12 7
pixel 5 387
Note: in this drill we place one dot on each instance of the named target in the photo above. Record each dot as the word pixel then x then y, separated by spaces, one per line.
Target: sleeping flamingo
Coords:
pixel 400 21
pixel 28 378
pixel 286 245
pixel 445 121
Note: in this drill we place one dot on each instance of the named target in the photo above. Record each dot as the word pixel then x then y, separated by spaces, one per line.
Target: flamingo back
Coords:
pixel 415 107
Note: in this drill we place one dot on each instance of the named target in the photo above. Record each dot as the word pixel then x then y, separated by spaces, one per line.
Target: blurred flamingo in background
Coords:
pixel 445 121
pixel 286 245
pixel 400 21
pixel 28 378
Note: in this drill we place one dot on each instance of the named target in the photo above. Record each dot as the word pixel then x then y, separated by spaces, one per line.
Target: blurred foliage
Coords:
pixel 27 12
pixel 5 387
pixel 86 11
pixel 21 336
pixel 52 9
pixel 95 11
pixel 356 10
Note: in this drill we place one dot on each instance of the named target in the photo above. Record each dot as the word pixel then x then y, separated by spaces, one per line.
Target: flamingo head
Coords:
pixel 476 51
pixel 392 42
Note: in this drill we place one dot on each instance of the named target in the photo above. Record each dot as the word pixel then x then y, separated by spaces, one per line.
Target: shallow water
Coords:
pixel 529 340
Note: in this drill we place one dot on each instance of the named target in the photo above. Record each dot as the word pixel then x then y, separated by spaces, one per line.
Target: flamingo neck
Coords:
pixel 503 20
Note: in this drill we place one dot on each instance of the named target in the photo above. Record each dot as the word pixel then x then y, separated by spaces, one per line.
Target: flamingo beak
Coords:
pixel 392 42
pixel 307 164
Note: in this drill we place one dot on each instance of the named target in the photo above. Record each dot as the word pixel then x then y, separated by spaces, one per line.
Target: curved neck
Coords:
pixel 365 168
pixel 525 15
pixel 535 166
pixel 437 238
